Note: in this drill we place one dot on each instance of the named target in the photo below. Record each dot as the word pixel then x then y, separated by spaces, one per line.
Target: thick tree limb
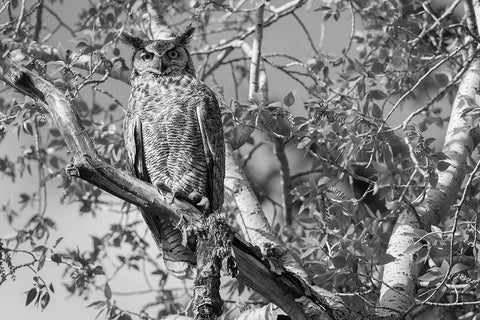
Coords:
pixel 157 25
pixel 460 140
pixel 283 288
pixel 398 286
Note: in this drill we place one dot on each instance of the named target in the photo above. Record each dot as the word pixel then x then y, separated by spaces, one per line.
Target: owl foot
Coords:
pixel 199 201
pixel 163 190
pixel 203 204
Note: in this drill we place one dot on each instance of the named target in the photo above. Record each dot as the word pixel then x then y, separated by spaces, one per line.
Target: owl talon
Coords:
pixel 203 204
pixel 161 190
pixel 174 194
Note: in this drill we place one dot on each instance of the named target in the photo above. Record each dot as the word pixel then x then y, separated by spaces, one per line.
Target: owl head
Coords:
pixel 164 57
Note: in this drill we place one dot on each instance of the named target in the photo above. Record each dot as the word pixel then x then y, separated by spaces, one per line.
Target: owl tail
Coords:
pixel 179 260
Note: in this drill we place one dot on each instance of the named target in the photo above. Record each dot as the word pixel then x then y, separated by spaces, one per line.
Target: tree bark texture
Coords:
pixel 460 140
pixel 398 289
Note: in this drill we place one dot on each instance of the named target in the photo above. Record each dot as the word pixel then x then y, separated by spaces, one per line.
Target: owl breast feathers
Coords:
pixel 173 135
pixel 179 121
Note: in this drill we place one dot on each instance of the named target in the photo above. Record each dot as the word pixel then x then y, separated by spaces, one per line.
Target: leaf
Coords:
pixel 430 276
pixel 55 132
pixel 41 261
pixel 240 135
pixel 97 304
pixel 433 179
pixel 376 111
pixel 444 267
pixel 289 99
pixel 339 262
pixel 442 78
pixel 350 75
pixel 377 68
pixel 443 165
pixel 358 66
pixel 107 291
pixel 457 268
pixel 308 252
pixel 27 128
pixel 377 94
pixel 39 249
pixel 385 258
pixel 56 258
pixel 57 241
pixel 124 316
pixel 31 296
pixel 98 270
pixel 54 67
pixel 62 53
pixel 413 248
pixel 45 300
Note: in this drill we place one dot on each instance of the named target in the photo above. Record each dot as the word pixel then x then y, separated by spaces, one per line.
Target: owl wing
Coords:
pixel 210 123
pixel 132 133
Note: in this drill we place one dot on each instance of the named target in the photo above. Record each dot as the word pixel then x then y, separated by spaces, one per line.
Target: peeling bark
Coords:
pixel 398 289
pixel 460 141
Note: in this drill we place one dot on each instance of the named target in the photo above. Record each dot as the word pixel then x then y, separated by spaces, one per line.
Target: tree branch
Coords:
pixel 398 286
pixel 118 68
pixel 460 141
pixel 396 294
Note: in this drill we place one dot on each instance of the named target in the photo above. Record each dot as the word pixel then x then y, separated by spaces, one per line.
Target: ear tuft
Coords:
pixel 131 40
pixel 186 36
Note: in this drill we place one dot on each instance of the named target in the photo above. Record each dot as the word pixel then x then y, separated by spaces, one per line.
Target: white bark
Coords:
pixel 460 141
pixel 397 289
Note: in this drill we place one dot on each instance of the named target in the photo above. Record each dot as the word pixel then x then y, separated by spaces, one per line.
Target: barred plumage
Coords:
pixel 173 136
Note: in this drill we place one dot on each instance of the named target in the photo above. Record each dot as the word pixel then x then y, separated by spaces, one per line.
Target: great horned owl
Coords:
pixel 173 136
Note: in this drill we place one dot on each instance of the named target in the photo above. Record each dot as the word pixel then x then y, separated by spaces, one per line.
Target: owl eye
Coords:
pixel 147 56
pixel 173 54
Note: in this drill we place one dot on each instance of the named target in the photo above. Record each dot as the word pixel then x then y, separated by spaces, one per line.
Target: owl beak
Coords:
pixel 162 67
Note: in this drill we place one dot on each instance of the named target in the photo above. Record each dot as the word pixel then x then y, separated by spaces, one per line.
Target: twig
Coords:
pixel 38 22
pixel 420 80
pixel 42 188
pixel 228 47
pixel 256 53
pixel 445 14
pixel 310 40
pixel 6 4
pixel 60 21
pixel 352 30
pixel 285 180
pixel 20 18
pixel 250 154
pixel 234 78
